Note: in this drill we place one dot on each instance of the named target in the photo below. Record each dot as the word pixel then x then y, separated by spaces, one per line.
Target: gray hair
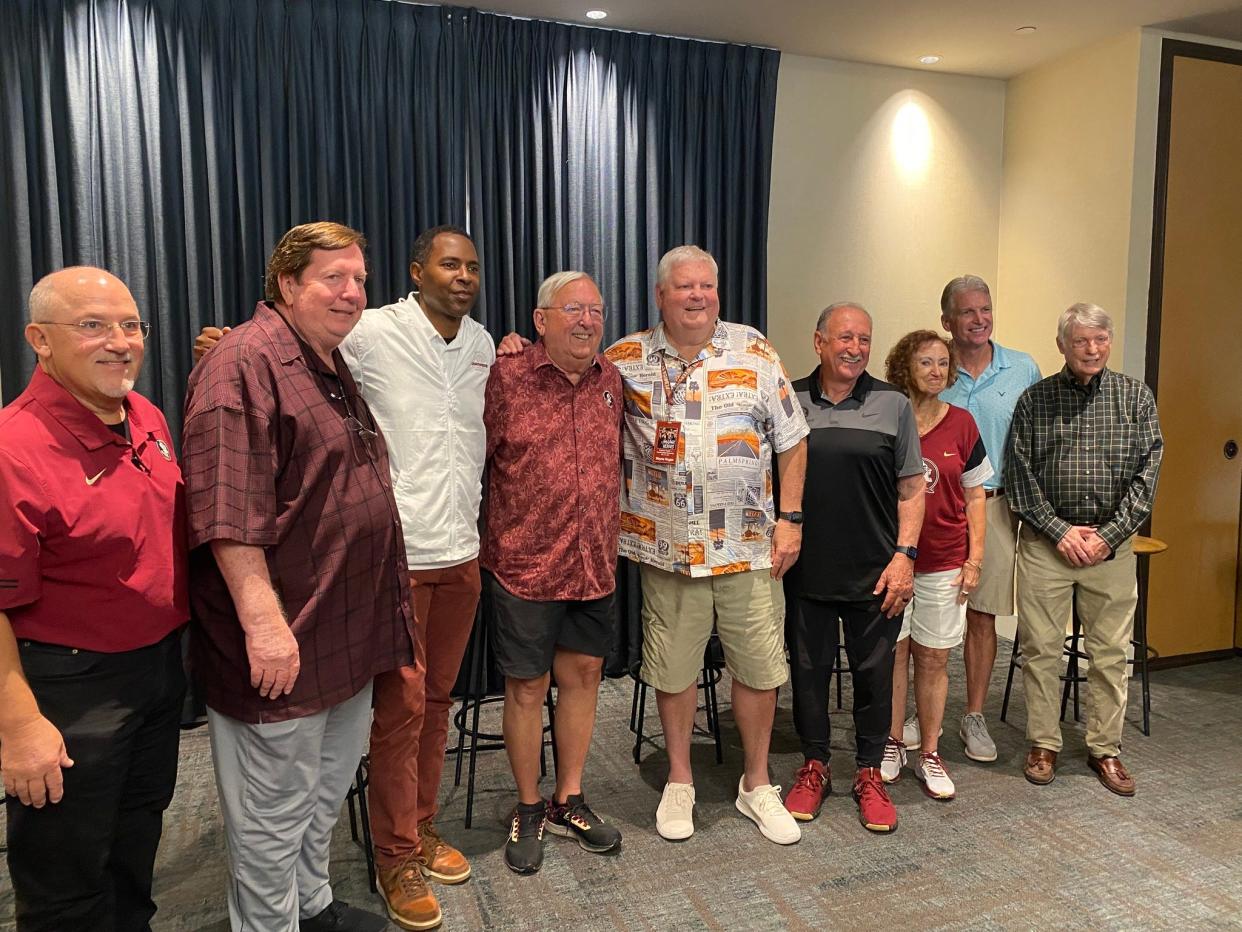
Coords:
pixel 1084 315
pixel 679 254
pixel 961 285
pixel 828 312
pixel 554 283
pixel 44 296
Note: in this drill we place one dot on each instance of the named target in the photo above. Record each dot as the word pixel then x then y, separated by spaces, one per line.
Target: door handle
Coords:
pixel 1231 449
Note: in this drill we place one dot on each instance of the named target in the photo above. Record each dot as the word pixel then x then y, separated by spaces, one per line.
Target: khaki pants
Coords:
pixel 1107 594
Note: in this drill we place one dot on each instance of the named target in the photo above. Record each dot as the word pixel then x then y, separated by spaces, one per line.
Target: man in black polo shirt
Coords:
pixel 863 509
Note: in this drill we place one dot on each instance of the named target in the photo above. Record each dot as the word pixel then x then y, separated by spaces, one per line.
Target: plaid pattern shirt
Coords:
pixel 270 461
pixel 1084 455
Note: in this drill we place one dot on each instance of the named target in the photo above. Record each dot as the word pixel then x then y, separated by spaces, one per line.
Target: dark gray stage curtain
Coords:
pixel 598 150
pixel 174 141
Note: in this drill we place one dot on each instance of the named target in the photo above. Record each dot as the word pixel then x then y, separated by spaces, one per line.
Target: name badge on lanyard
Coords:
pixel 668 432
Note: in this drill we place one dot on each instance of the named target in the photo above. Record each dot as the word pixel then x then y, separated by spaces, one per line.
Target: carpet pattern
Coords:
pixel 1003 855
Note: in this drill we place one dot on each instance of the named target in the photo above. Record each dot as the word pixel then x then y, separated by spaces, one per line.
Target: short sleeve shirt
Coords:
pixel 92 525
pixel 274 458
pixel 954 459
pixel 553 476
pixel 712 511
pixel 858 449
pixel 991 398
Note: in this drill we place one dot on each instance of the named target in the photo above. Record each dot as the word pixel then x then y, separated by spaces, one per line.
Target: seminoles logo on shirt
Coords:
pixel 931 475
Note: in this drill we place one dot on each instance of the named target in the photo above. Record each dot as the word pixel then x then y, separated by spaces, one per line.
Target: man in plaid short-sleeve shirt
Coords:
pixel 300 590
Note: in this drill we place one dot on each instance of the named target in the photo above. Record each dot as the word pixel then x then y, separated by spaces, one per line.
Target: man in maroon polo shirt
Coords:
pixel 553 417
pixel 92 599
pixel 301 591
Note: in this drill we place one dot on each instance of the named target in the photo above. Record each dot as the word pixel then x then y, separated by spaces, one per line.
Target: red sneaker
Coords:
pixel 811 784
pixel 875 809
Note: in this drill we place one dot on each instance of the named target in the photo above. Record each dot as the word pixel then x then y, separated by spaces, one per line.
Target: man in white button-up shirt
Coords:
pixel 422 365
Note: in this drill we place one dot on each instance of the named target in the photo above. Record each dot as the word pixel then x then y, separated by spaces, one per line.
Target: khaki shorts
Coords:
pixel 749 613
pixel 994 596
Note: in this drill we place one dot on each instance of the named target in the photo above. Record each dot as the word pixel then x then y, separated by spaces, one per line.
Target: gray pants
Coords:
pixel 281 787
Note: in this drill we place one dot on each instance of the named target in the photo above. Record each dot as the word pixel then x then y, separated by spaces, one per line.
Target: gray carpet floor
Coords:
pixel 1003 855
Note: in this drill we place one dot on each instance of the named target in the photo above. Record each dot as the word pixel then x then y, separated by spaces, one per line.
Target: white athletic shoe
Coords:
pixel 894 760
pixel 935 779
pixel 675 814
pixel 911 737
pixel 764 807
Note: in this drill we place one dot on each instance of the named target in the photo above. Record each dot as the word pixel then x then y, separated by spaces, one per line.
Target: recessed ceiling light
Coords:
pixel 596 14
pixel 1024 30
pixel 930 59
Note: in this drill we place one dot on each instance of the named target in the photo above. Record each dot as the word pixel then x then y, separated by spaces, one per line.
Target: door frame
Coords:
pixel 1171 49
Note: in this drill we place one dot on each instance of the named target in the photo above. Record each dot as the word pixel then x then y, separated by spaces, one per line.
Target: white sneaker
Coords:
pixel 763 806
pixel 894 760
pixel 911 737
pixel 935 779
pixel 675 814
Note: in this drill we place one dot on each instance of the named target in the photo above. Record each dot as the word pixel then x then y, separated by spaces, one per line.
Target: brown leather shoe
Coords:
pixel 1112 774
pixel 1041 766
pixel 409 900
pixel 440 860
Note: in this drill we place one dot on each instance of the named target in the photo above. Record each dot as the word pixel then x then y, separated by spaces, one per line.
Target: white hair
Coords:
pixel 1084 315
pixel 963 284
pixel 679 254
pixel 554 283
pixel 827 312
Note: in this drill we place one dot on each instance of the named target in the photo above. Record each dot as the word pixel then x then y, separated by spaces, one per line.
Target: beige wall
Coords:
pixel 1067 202
pixel 886 183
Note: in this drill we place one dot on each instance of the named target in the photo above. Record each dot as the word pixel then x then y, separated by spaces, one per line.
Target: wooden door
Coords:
pixel 1194 593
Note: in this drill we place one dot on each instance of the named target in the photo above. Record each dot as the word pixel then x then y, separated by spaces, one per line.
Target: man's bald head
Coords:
pixel 55 295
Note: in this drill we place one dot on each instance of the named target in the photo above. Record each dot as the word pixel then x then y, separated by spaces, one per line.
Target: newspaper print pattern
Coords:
pixel 711 512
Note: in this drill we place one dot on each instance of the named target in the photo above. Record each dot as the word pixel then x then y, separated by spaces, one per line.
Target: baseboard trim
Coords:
pixel 1187 660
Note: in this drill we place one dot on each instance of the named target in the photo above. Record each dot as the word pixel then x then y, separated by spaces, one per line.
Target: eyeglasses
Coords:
pixel 364 440
pixel 575 311
pixel 92 329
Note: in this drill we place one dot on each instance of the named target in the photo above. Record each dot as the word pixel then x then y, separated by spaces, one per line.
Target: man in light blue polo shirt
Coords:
pixel 990 378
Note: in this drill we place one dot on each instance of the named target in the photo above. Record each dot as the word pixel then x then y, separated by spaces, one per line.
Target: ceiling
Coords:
pixel 974 37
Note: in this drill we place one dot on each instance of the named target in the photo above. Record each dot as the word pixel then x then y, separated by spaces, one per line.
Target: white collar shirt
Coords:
pixel 427 396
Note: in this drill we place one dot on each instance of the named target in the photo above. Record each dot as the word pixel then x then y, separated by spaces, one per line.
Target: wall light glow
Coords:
pixel 596 14
pixel 912 140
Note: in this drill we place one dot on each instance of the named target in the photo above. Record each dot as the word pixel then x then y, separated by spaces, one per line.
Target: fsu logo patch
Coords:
pixel 608 397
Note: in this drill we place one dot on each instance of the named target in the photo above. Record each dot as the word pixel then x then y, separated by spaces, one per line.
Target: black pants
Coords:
pixel 86 862
pixel 811 632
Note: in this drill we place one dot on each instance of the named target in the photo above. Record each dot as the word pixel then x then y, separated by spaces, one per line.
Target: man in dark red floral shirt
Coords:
pixel 553 417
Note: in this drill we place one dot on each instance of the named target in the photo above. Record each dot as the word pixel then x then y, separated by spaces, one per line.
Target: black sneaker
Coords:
pixel 341 917
pixel 524 849
pixel 574 819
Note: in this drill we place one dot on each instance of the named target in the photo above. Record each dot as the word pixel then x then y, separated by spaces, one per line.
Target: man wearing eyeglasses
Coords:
pixel 92 601
pixel 301 591
pixel 1081 467
pixel 553 419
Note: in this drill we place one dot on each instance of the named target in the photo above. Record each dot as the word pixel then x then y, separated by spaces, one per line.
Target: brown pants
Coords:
pixel 410 725
pixel 1107 594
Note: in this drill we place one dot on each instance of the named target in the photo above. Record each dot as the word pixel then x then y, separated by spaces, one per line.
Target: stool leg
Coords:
pixel 1140 641
pixel 634 708
pixel 1013 665
pixel 1077 647
pixel 552 728
pixel 839 669
pixel 710 707
pixel 640 695
pixel 361 777
pixel 461 736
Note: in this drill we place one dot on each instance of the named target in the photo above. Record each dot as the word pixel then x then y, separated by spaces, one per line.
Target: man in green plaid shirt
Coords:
pixel 1081 467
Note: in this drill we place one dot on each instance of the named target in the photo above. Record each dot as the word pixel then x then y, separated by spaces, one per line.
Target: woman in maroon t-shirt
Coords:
pixel 955 466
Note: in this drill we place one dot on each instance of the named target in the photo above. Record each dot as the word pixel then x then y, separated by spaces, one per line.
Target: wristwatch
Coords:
pixel 793 517
pixel 911 552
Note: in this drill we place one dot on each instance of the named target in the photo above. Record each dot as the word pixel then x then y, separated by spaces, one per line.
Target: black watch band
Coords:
pixel 793 517
pixel 911 552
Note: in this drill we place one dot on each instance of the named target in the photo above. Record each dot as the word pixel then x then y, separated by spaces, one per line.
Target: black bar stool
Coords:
pixel 471 739
pixel 713 671
pixel 1142 652
pixel 361 820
